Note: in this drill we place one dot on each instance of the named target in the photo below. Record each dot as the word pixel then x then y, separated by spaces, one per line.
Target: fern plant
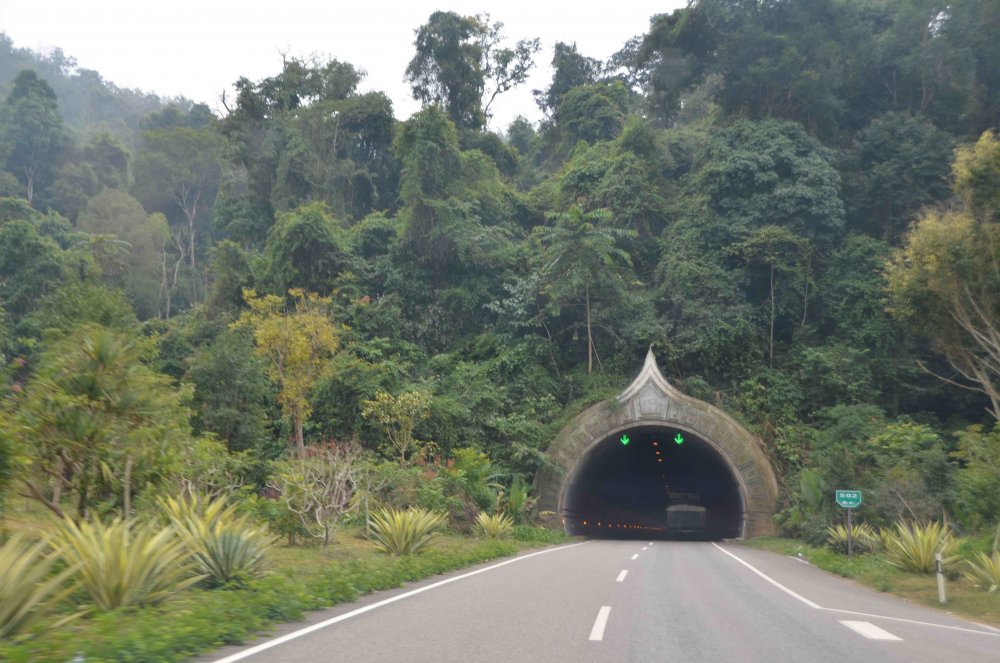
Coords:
pixel 403 532
pixel 984 571
pixel 122 564
pixel 912 546
pixel 226 547
pixel 493 526
pixel 29 588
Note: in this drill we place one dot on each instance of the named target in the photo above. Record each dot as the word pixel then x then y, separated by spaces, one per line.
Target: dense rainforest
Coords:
pixel 796 204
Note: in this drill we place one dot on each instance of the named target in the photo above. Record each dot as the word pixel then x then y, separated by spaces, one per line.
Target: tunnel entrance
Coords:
pixel 653 482
pixel 616 468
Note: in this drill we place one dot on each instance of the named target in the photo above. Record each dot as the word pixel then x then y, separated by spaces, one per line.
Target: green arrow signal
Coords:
pixel 679 439
pixel 625 440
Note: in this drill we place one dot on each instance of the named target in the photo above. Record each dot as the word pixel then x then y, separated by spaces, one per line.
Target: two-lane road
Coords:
pixel 630 601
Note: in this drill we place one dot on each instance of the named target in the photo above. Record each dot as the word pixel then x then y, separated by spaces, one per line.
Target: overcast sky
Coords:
pixel 199 48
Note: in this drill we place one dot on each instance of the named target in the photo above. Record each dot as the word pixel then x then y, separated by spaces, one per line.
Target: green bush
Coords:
pixel 912 546
pixel 984 571
pixel 226 548
pixel 537 534
pixel 493 526
pixel 28 586
pixel 403 532
pixel 123 564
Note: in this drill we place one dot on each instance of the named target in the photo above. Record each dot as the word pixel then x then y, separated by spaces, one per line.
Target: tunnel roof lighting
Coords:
pixel 656 444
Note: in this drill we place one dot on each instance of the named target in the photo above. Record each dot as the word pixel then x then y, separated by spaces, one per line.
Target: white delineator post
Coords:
pixel 940 578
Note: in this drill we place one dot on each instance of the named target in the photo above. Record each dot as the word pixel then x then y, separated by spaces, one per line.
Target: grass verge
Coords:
pixel 300 579
pixel 874 571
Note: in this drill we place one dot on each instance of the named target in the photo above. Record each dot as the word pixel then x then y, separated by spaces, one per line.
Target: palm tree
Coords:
pixel 578 252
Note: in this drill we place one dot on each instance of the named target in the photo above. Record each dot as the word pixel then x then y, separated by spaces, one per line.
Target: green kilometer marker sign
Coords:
pixel 679 439
pixel 849 499
pixel 625 440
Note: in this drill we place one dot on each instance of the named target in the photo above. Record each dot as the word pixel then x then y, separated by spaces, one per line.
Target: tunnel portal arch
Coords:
pixel 651 411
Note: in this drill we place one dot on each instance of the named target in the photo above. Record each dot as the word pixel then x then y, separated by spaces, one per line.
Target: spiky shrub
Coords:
pixel 226 547
pixel 29 587
pixel 912 546
pixel 984 571
pixel 865 537
pixel 493 526
pixel 123 564
pixel 403 532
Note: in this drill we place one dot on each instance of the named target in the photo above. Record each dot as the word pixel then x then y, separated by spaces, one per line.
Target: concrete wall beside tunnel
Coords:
pixel 719 470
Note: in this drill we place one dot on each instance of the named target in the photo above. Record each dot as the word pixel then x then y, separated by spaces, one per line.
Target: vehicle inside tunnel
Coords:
pixel 653 482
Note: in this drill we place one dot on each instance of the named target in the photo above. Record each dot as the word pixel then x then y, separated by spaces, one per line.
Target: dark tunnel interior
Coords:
pixel 653 482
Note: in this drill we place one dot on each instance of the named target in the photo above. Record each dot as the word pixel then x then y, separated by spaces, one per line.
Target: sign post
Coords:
pixel 850 500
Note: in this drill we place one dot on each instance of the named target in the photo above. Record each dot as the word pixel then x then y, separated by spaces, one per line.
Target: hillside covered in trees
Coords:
pixel 796 204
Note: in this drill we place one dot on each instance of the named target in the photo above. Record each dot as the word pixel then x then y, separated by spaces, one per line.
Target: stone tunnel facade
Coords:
pixel 652 401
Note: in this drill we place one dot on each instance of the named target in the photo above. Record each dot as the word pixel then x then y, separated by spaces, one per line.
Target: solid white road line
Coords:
pixel 816 606
pixel 246 653
pixel 769 579
pixel 621 576
pixel 635 556
pixel 597 633
pixel 869 630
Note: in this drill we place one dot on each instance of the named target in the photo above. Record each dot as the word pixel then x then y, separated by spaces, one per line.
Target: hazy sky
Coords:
pixel 198 48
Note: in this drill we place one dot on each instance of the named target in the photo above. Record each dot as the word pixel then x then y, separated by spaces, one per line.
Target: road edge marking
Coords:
pixel 597 632
pixel 816 606
pixel 771 580
pixel 915 622
pixel 870 631
pixel 264 646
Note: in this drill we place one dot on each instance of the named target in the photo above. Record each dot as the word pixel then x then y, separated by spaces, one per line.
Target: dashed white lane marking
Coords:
pixel 645 547
pixel 650 543
pixel 769 579
pixel 869 630
pixel 635 556
pixel 597 633
pixel 621 576
pixel 246 653
pixel 816 606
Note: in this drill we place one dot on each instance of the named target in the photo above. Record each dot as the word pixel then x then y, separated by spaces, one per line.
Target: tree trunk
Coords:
pixel 127 498
pixel 770 350
pixel 300 441
pixel 590 338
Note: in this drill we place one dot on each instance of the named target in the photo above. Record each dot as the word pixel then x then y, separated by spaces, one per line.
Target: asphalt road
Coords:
pixel 629 601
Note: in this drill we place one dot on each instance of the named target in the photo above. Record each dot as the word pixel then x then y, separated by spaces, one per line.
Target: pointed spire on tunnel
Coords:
pixel 650 373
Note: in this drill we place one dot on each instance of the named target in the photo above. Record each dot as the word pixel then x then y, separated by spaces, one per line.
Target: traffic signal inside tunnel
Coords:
pixel 653 482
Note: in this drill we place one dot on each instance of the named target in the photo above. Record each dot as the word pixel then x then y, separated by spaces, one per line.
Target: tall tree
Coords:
pixel 297 344
pixel 33 132
pixel 945 283
pixel 178 173
pixel 461 65
pixel 578 254
pixel 96 423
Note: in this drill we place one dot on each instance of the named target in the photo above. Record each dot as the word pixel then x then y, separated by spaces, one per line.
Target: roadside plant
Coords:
pixel 493 526
pixel 912 546
pixel 403 532
pixel 28 587
pixel 123 564
pixel 984 571
pixel 226 547
pixel 519 501
pixel 866 538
